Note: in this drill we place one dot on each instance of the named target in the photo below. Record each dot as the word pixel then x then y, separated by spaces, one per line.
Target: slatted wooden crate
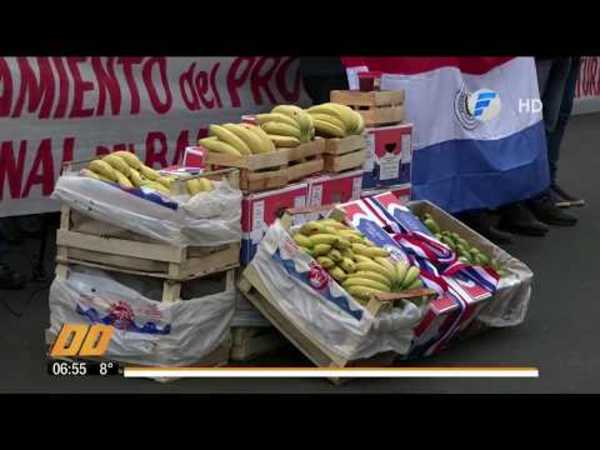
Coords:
pixel 378 108
pixel 273 170
pixel 249 343
pixel 256 292
pixel 345 154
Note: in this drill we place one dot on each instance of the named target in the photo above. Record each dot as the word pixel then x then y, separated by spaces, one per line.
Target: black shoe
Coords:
pixel 563 199
pixel 517 219
pixel 9 279
pixel 482 223
pixel 545 210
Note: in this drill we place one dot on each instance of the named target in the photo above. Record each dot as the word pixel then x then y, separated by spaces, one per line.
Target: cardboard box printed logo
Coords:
pixel 398 216
pixel 389 156
pixel 260 210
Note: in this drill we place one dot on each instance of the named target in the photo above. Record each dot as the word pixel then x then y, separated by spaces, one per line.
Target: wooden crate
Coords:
pixel 256 292
pixel 345 154
pixel 378 108
pixel 273 170
pixel 138 255
pixel 248 343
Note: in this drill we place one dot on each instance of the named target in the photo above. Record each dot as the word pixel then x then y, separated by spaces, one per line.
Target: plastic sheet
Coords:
pixel 207 219
pixel 147 331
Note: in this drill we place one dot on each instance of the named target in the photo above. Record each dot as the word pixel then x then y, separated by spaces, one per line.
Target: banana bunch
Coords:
pixel 125 169
pixel 241 139
pixel 353 261
pixel 467 253
pixel 287 125
pixel 335 120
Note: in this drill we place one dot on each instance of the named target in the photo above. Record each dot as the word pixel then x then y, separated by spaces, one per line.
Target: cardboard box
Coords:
pixel 261 209
pixel 362 217
pixel 447 316
pixel 389 156
pixel 395 214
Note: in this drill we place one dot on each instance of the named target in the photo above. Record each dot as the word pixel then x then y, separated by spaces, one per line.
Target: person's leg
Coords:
pixel 9 279
pixel 563 199
pixel 552 84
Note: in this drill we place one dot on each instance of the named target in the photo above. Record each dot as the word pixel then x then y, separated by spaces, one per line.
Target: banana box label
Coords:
pixel 389 151
pixel 367 222
pixel 260 210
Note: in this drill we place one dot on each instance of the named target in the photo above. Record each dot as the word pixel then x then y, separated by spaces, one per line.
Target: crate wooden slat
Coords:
pixel 341 146
pixel 348 161
pixel 276 169
pixel 248 343
pixel 378 108
pixel 144 257
pixel 373 98
pixel 256 292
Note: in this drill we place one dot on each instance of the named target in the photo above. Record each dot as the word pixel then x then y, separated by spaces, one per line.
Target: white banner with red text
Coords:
pixel 59 109
pixel 587 90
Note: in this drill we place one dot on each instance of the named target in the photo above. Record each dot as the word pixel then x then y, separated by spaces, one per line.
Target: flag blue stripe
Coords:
pixel 461 175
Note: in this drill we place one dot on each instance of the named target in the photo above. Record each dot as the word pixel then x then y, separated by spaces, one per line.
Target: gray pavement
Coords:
pixel 560 335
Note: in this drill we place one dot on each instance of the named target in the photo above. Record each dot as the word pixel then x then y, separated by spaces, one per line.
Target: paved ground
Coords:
pixel 560 335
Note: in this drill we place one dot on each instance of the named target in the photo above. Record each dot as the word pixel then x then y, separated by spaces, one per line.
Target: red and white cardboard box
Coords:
pixel 391 211
pixel 328 189
pixel 360 215
pixel 447 316
pixel 260 210
pixel 403 192
pixel 389 156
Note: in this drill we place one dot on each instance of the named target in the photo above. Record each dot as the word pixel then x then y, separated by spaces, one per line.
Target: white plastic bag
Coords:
pixel 327 312
pixel 147 331
pixel 208 219
pixel 247 315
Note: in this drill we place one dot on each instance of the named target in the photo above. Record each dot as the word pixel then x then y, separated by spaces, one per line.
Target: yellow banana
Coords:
pixel 103 168
pixel 351 236
pixel 130 158
pixel 341 112
pixel 321 249
pixel 411 276
pixel 415 284
pixel 281 129
pixel 325 262
pixel 207 185
pixel 348 253
pixel 335 255
pixel 302 240
pixel 334 223
pixel 156 186
pixel 123 180
pixel 254 142
pixel 371 252
pixel 355 281
pixel 284 141
pixel 372 276
pixel 374 267
pixel 385 263
pixel 193 186
pixel 362 292
pixel 333 120
pixel 401 269
pixel 361 123
pixel 263 119
pixel 269 146
pixel 348 265
pixel 301 117
pixel 89 173
pixel 342 243
pixel 219 147
pixel 338 274
pixel 312 227
pixel 150 173
pixel 327 129
pixel 230 138
pixel 322 238
pixel 135 177
pixel 117 163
